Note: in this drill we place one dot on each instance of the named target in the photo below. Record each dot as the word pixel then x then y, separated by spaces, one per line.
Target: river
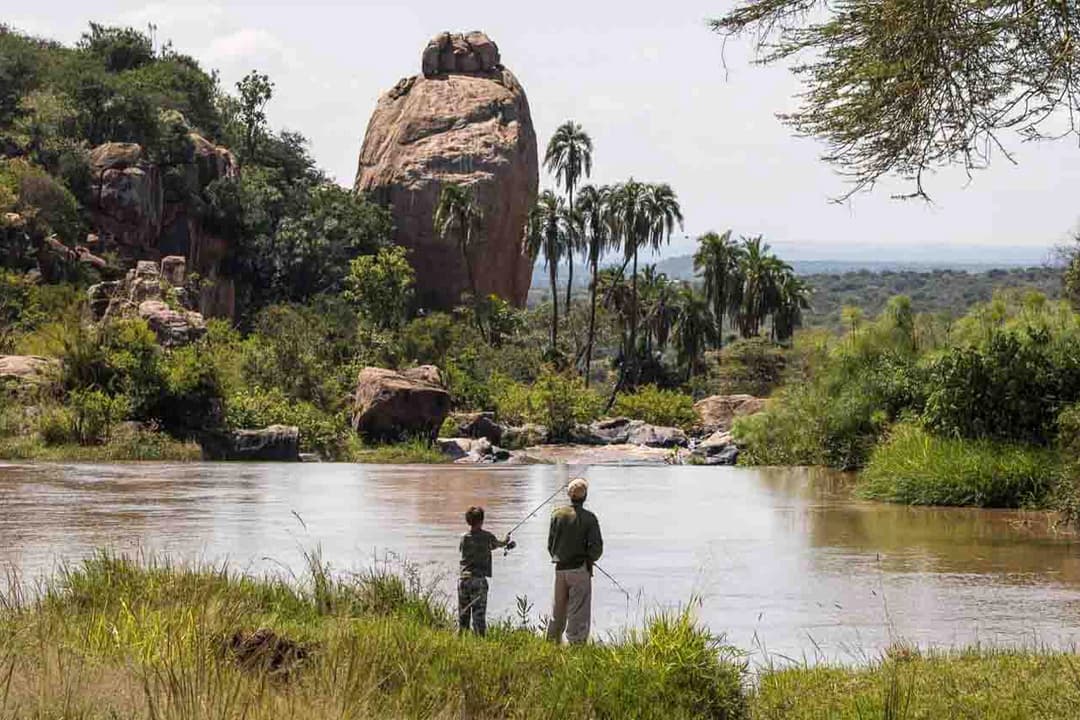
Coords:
pixel 783 561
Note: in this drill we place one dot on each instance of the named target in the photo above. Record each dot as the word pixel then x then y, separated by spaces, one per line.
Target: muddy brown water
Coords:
pixel 784 561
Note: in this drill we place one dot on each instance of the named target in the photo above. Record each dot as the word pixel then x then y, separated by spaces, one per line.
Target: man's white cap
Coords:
pixel 578 489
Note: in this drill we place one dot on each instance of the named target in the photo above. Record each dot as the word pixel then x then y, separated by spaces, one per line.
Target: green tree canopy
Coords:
pixel 902 87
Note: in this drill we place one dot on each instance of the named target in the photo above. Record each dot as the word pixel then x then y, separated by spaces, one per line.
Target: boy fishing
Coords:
pixel 475 547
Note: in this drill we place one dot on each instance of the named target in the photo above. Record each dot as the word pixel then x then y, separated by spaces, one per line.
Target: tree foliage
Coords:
pixel 903 87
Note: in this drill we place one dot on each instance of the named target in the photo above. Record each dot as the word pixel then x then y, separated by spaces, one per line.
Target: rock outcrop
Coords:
pixel 718 412
pixel 717 449
pixel 390 405
pixel 478 425
pixel 26 371
pixel 133 218
pixel 149 292
pixel 277 443
pixel 464 120
pixel 624 431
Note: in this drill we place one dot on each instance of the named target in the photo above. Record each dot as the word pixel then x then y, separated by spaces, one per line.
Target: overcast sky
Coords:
pixel 648 82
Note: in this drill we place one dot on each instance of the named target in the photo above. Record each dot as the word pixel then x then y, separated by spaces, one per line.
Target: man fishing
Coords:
pixel 575 544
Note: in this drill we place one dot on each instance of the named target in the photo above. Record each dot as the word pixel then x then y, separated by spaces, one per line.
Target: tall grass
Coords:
pixel 917 468
pixel 116 637
pixel 984 684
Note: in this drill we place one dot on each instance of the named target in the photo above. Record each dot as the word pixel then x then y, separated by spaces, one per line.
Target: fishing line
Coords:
pixel 539 507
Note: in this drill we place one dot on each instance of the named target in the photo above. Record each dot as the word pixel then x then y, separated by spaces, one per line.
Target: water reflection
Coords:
pixel 785 559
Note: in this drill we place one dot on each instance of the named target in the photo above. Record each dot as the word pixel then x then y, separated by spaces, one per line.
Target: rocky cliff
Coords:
pixel 132 216
pixel 465 119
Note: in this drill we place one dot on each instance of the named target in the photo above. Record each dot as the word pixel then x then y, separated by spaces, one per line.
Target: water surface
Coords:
pixel 782 560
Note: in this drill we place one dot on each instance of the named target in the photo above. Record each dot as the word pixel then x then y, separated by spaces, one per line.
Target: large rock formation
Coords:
pixel 464 120
pixel 390 405
pixel 133 218
pixel 158 296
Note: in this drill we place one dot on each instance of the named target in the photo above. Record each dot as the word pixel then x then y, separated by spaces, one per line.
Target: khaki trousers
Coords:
pixel 572 607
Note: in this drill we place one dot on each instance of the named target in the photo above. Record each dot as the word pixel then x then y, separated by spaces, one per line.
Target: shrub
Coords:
pixel 51 205
pixel 192 395
pixel 754 366
pixel 55 425
pixel 918 468
pixel 1011 388
pixel 319 431
pixel 657 407
pixel 557 400
pixel 93 415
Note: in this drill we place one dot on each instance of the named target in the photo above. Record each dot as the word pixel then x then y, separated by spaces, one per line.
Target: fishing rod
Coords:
pixel 613 580
pixel 538 508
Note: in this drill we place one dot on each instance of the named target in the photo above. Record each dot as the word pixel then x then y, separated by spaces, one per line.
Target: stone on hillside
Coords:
pixel 390 405
pixel 27 370
pixel 718 412
pixel 464 120
pixel 101 296
pixel 277 443
pixel 172 327
pixel 657 436
pixel 174 270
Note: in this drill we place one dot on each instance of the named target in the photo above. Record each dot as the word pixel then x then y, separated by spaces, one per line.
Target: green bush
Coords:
pixel 657 407
pixel 754 366
pixel 556 400
pixel 1011 388
pixel 319 431
pixel 93 415
pixel 192 397
pixel 55 425
pixel 918 468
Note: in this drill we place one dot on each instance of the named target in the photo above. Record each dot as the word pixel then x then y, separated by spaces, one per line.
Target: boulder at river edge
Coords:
pixel 390 405
pixel 464 120
pixel 277 443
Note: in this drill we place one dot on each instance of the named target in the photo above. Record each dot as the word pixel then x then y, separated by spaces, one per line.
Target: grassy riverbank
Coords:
pixel 117 638
pixel 987 684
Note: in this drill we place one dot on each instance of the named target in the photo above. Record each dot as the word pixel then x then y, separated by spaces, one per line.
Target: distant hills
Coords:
pixel 681 267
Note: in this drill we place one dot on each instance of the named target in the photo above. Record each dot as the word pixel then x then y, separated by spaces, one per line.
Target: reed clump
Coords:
pixel 918 468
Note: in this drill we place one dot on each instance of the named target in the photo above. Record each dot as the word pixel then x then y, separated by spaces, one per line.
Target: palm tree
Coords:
pixel 659 308
pixel 794 297
pixel 717 259
pixel 646 216
pixel 594 210
pixel 694 329
pixel 569 158
pixel 546 233
pixel 458 215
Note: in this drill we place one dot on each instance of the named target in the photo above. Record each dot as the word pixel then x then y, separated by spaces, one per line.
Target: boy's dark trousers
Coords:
pixel 472 603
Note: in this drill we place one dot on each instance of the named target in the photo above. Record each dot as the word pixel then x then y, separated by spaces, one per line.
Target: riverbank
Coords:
pixel 114 637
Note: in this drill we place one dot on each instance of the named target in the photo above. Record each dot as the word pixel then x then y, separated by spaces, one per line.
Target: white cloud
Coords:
pixel 242 44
